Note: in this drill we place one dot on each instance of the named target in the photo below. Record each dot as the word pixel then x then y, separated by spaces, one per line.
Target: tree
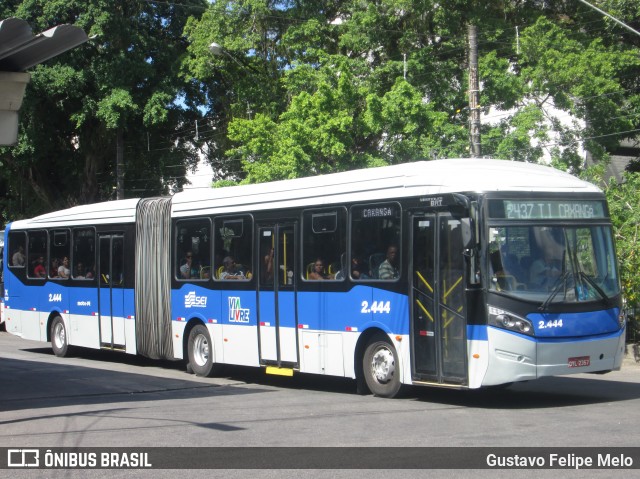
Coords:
pixel 350 84
pixel 560 71
pixel 329 82
pixel 624 205
pixel 123 81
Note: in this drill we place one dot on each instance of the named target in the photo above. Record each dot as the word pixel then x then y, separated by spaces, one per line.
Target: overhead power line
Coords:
pixel 619 22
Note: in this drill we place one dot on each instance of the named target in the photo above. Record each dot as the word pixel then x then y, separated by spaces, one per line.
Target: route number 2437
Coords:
pixel 376 307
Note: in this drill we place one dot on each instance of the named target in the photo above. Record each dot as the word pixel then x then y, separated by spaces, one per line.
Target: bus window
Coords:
pixel 60 254
pixel 37 255
pixel 324 247
pixel 376 240
pixel 233 248
pixel 193 249
pixel 84 256
pixel 17 250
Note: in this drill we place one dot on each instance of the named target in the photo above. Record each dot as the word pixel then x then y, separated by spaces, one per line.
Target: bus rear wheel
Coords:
pixel 59 339
pixel 200 351
pixel 380 367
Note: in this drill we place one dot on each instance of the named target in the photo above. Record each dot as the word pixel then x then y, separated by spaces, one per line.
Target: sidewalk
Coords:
pixel 630 361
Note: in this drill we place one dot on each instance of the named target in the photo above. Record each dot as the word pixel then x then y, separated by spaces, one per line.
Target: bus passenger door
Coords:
pixel 277 321
pixel 438 323
pixel 111 291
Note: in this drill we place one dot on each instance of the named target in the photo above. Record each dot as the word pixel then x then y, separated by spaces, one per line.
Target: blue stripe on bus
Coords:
pixel 562 325
pixel 477 332
pixel 558 339
pixel 355 310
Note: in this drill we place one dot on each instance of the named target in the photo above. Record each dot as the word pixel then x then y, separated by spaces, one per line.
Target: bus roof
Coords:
pixel 420 178
pixel 122 211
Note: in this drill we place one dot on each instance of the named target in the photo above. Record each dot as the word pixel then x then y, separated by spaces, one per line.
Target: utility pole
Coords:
pixel 119 164
pixel 474 93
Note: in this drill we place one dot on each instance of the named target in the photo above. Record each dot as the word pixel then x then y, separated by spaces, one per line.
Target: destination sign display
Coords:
pixel 379 212
pixel 547 209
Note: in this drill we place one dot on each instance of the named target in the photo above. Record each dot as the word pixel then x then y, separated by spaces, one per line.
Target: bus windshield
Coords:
pixel 553 264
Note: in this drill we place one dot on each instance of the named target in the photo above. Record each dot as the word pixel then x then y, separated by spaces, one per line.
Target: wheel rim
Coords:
pixel 383 365
pixel 59 335
pixel 201 350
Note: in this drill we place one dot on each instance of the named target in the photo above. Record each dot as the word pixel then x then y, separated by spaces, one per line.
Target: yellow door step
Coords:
pixel 279 371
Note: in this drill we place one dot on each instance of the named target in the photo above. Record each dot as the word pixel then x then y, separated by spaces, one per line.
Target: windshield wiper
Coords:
pixel 561 282
pixel 595 286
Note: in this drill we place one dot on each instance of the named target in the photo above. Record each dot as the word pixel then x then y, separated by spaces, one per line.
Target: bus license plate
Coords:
pixel 579 362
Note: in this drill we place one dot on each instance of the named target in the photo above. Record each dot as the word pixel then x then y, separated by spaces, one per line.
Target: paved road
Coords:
pixel 101 399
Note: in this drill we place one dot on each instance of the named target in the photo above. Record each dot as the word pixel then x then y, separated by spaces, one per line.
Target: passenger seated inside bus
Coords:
pixel 79 273
pixel 359 269
pixel 545 271
pixel 188 268
pixel 317 270
pixel 63 270
pixel 90 272
pixel 18 257
pixel 388 269
pixel 39 271
pixel 267 267
pixel 55 264
pixel 233 271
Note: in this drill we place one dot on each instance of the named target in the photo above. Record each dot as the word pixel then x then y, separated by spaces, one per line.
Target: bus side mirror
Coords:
pixel 468 238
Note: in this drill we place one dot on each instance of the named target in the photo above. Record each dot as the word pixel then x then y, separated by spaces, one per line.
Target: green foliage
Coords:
pixel 115 108
pixel 624 205
pixel 124 79
pixel 624 208
pixel 560 71
pixel 333 86
pixel 312 86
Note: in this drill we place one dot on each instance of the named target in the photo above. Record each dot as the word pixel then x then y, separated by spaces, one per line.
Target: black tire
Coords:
pixel 200 351
pixel 380 367
pixel 59 338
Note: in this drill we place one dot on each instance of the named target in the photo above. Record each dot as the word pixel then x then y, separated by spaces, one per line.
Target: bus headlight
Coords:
pixel 505 320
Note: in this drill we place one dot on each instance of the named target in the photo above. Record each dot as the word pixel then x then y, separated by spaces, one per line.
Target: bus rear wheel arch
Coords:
pixel 380 367
pixel 200 352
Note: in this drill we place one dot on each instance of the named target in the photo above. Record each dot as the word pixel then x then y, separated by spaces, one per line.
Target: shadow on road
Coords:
pixel 28 384
pixel 37 384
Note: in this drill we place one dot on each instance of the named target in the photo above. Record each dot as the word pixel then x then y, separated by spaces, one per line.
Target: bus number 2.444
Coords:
pixel 376 307
pixel 55 298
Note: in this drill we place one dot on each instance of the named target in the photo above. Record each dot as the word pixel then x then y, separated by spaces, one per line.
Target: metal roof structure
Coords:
pixel 20 50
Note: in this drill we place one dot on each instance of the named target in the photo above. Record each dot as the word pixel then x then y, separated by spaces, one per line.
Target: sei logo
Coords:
pixel 193 301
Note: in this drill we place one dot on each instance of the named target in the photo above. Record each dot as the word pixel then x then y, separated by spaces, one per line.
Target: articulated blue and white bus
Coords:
pixel 460 273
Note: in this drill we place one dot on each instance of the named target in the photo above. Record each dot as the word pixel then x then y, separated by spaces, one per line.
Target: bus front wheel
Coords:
pixel 380 367
pixel 59 339
pixel 201 351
